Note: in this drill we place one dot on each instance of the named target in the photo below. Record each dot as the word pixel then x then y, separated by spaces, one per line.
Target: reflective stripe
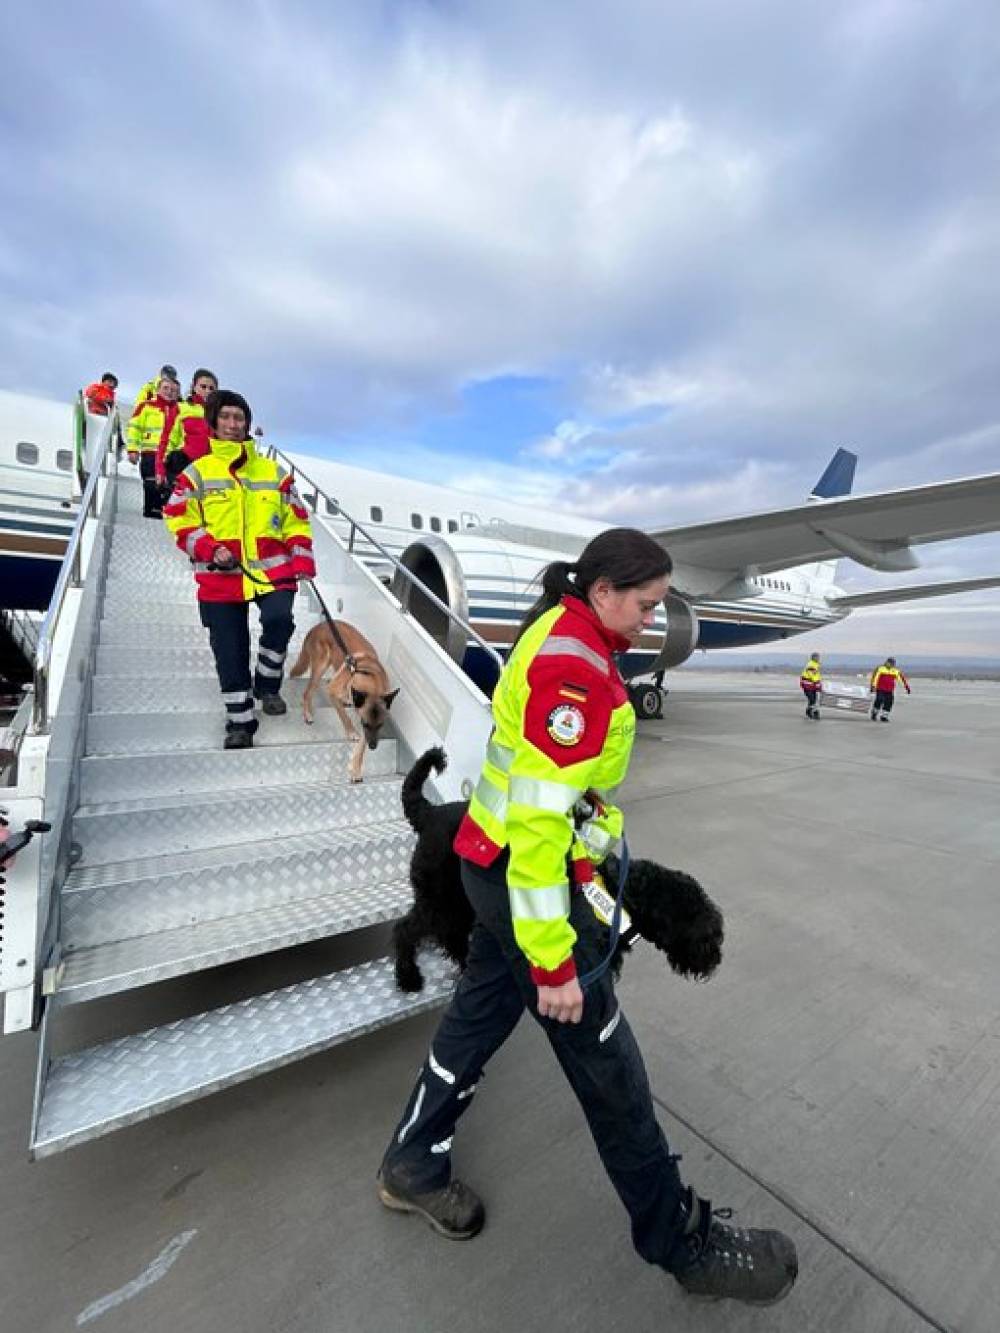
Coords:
pixel 466 1093
pixel 192 540
pixel 560 646
pixel 270 654
pixel 440 1070
pixel 542 795
pixel 442 1147
pixel 271 485
pixel 500 756
pixel 268 562
pixel 598 841
pixel 539 904
pixel 415 1116
pixel 607 1031
pixel 488 794
pixel 240 717
pixel 235 696
pixel 217 483
pixel 273 672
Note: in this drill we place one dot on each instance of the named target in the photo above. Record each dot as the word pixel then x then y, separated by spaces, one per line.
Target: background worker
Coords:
pixel 188 439
pixel 99 397
pixel 150 424
pixel 563 729
pixel 883 685
pixel 811 681
pixel 151 387
pixel 237 516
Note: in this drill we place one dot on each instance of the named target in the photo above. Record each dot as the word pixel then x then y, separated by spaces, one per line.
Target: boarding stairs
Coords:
pixel 180 857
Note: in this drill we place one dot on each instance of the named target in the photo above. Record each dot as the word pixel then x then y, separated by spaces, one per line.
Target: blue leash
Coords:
pixel 597 972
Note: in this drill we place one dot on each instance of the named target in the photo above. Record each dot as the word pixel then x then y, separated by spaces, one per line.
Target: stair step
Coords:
pixel 117 777
pixel 117 830
pixel 115 661
pixel 125 899
pixel 94 1091
pixel 185 693
pixel 122 965
pixel 158 733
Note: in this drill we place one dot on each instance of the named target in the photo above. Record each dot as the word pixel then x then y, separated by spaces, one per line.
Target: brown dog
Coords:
pixel 358 678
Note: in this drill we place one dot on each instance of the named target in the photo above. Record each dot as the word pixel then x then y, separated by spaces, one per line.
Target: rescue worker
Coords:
pixel 99 397
pixel 150 388
pixel 811 681
pixel 883 685
pixel 237 516
pixel 188 439
pixel 563 732
pixel 150 424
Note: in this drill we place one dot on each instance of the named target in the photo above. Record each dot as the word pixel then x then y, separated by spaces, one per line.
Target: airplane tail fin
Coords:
pixel 836 481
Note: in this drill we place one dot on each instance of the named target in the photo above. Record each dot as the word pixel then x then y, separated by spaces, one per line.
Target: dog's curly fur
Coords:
pixel 668 908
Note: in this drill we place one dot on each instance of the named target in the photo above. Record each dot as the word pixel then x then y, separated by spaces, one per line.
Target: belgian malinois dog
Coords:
pixel 358 678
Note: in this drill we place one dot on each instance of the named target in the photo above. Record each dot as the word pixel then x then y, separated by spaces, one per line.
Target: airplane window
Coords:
pixel 27 453
pixel 452 525
pixel 416 520
pixel 332 507
pixel 435 525
pixel 376 514
pixel 64 460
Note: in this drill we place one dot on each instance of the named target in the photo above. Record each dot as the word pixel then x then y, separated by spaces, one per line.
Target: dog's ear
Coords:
pixel 358 698
pixel 388 698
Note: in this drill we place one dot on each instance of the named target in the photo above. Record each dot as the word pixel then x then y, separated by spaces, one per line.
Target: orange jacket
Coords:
pixel 100 398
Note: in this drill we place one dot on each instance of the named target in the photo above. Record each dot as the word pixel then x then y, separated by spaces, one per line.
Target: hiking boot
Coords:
pixel 273 705
pixel 237 740
pixel 454 1211
pixel 757 1267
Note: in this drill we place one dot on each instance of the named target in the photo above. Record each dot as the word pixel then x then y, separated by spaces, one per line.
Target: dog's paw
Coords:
pixel 409 978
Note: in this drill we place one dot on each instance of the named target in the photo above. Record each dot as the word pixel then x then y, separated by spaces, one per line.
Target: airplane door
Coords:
pixel 468 519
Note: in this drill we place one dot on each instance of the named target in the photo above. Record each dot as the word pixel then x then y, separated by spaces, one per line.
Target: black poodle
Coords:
pixel 667 907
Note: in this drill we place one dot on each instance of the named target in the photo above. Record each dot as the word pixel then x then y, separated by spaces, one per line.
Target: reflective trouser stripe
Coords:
pixel 239 705
pixel 546 904
pixel 271 654
pixel 273 673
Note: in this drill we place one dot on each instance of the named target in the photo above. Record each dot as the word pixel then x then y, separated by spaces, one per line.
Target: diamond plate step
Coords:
pixel 120 830
pixel 117 777
pixel 109 969
pixel 160 733
pixel 187 693
pixel 126 899
pixel 179 659
pixel 95 1091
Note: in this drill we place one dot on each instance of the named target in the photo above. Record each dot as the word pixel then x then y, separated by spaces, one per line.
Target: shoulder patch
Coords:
pixel 566 724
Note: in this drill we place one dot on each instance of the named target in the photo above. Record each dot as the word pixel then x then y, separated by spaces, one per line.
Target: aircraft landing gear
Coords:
pixel 647 700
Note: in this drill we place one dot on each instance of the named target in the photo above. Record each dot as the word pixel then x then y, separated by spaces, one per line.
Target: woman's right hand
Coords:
pixel 562 1003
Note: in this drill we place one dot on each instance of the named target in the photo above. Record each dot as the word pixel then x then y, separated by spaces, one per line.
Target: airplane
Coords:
pixel 747 580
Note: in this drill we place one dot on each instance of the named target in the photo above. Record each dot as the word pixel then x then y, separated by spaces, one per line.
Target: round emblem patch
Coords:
pixel 566 724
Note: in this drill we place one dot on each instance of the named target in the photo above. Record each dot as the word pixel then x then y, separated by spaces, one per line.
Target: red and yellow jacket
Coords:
pixel 233 497
pixel 150 424
pixel 99 398
pixel 188 431
pixel 564 726
pixel 812 677
pixel 884 678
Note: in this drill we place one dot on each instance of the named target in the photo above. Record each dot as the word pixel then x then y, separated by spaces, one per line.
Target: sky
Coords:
pixel 658 260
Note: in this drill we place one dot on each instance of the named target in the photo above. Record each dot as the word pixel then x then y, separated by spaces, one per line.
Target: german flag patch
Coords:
pixel 578 693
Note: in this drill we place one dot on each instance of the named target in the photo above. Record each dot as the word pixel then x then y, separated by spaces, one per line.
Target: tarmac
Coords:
pixel 839 1078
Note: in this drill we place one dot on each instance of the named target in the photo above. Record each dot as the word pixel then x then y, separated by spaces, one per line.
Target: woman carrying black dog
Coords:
pixel 563 732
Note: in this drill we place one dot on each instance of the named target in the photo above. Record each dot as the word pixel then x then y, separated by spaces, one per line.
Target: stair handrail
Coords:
pixel 339 511
pixel 70 571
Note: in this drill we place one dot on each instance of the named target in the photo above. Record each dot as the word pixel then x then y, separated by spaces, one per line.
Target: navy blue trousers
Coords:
pixel 228 626
pixel 599 1057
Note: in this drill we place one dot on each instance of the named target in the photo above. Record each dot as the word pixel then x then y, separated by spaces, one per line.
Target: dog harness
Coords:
pixel 563 731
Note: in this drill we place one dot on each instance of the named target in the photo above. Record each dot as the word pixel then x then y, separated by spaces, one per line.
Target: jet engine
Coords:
pixel 680 638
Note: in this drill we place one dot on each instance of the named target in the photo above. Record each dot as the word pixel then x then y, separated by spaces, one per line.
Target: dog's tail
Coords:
pixel 415 803
pixel 301 662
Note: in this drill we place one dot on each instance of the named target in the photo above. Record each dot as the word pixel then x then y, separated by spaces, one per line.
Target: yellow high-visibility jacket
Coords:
pixel 235 498
pixel 148 424
pixel 564 727
pixel 811 677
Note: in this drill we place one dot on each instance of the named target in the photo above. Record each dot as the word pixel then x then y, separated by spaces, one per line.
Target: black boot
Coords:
pixel 273 705
pixel 238 739
pixel 757 1267
pixel 454 1211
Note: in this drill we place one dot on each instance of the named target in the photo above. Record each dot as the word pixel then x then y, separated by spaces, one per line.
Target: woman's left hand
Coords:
pixel 562 1003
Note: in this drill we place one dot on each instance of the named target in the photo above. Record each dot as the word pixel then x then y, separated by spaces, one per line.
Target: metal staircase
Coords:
pixel 179 856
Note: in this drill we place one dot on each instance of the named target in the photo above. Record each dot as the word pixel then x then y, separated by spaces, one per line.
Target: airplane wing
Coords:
pixel 876 530
pixel 880 596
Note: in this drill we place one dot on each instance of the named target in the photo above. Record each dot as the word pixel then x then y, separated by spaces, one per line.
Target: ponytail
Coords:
pixel 626 556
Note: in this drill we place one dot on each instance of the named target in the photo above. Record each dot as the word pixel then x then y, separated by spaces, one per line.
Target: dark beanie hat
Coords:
pixel 225 398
